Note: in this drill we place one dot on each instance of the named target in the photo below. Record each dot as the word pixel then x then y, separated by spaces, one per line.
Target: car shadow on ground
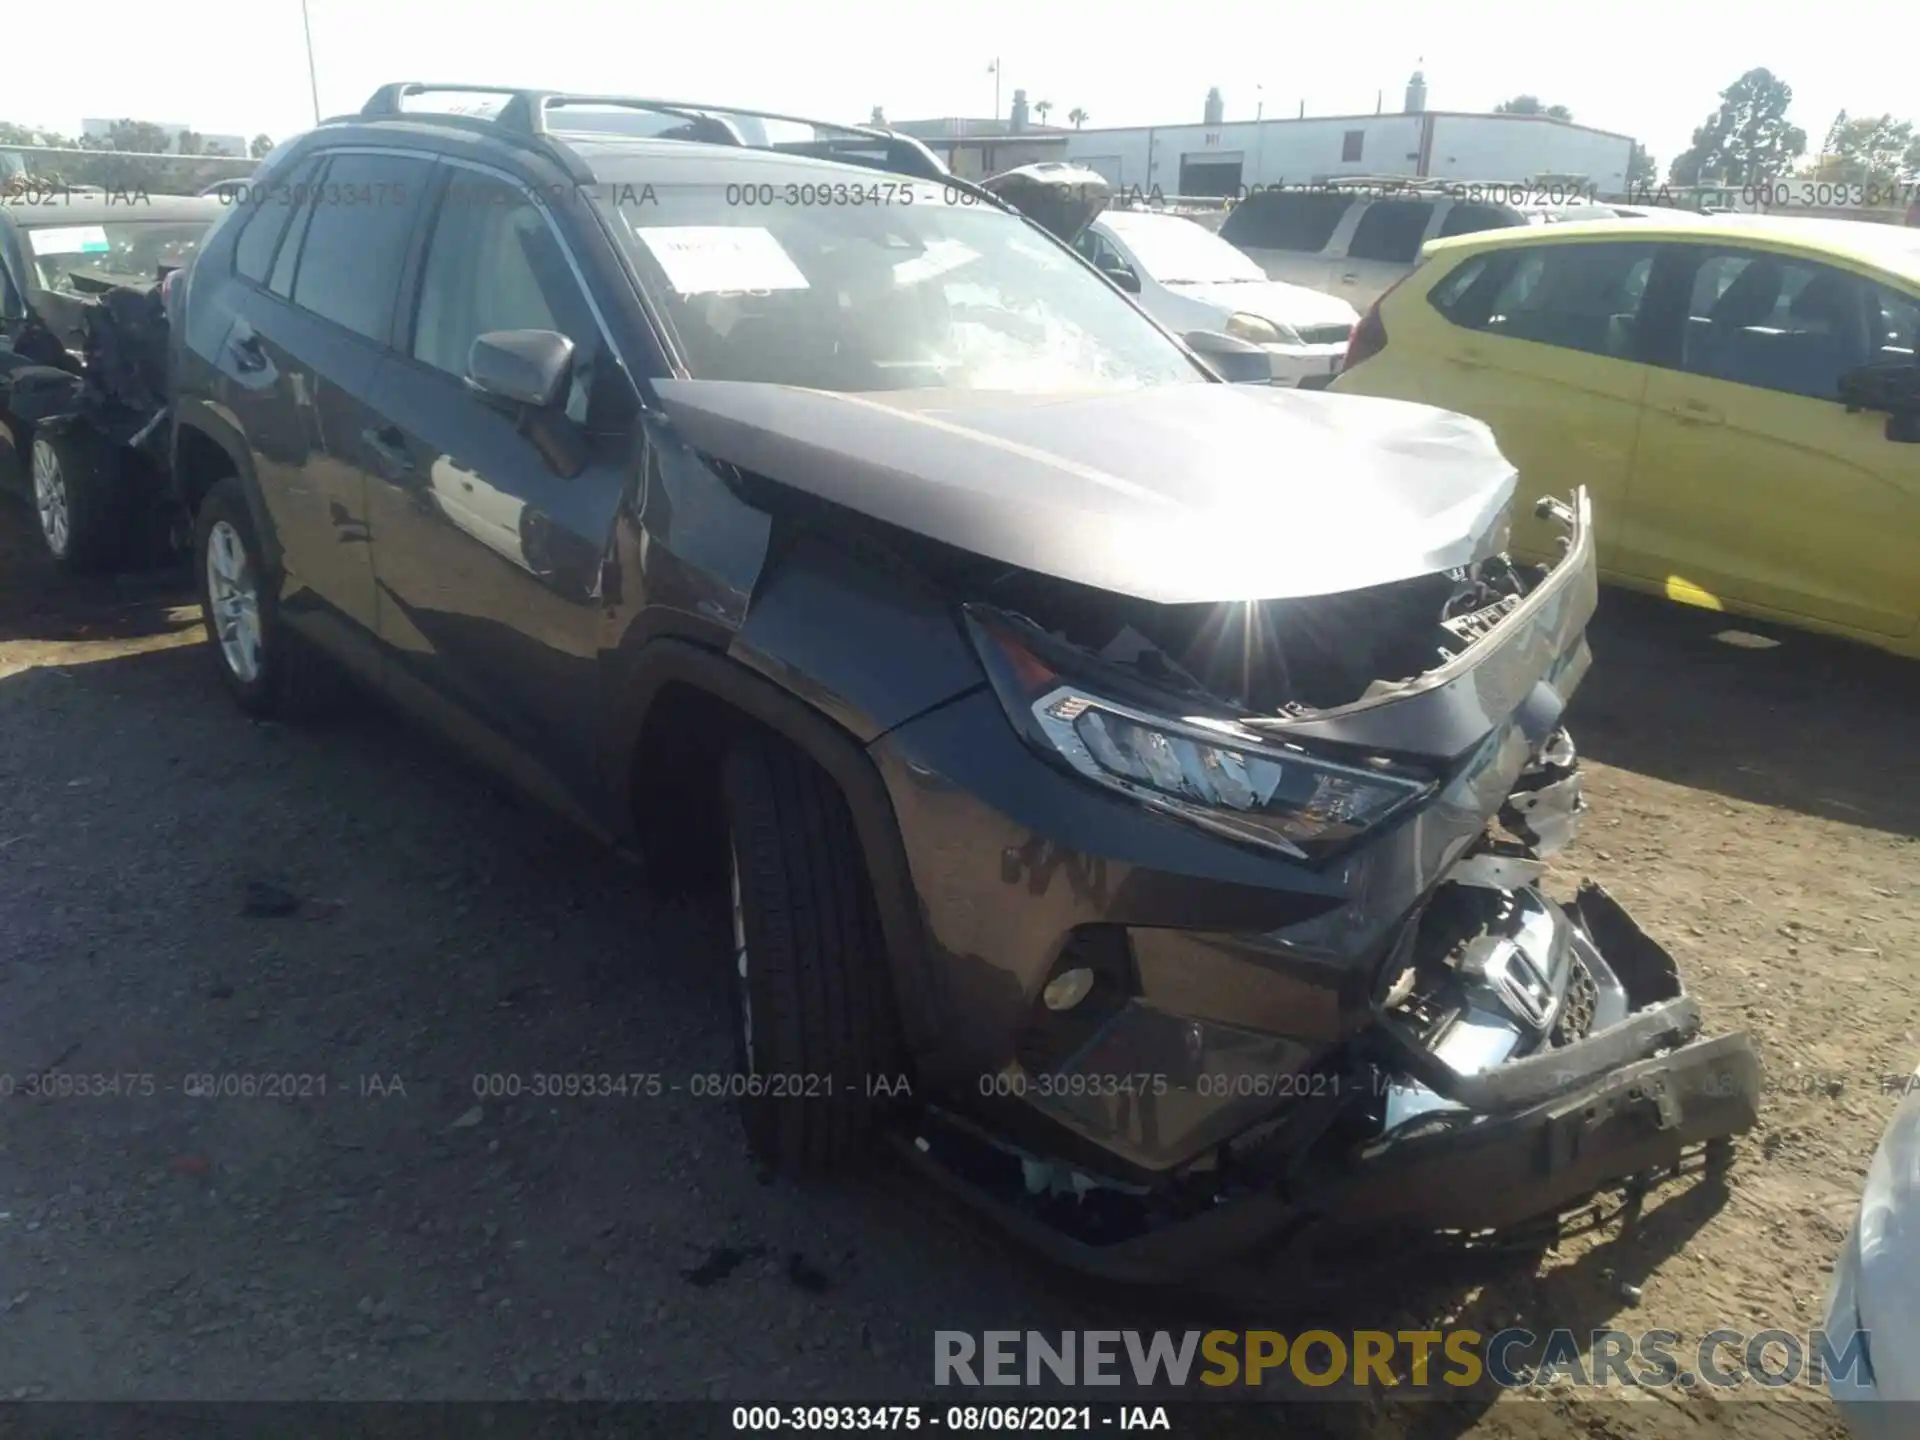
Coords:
pixel 1812 724
pixel 39 603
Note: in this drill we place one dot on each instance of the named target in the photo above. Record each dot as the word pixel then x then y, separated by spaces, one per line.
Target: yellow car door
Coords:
pixel 1542 346
pixel 1752 485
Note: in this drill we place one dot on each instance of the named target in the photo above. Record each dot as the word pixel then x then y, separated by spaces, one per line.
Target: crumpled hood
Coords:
pixel 1175 494
pixel 1273 300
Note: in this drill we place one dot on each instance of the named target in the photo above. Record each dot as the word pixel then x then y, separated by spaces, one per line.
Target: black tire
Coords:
pixel 823 1025
pixel 84 471
pixel 290 680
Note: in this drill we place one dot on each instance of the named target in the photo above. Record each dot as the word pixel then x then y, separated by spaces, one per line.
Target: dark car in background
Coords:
pixel 83 362
pixel 1129 791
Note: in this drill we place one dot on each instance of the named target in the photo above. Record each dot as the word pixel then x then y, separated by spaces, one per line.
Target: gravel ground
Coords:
pixel 413 927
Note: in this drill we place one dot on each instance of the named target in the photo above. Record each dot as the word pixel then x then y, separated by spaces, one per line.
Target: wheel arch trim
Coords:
pixel 670 661
pixel 217 426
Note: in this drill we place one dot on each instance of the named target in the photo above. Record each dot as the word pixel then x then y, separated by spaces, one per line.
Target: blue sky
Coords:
pixel 1646 69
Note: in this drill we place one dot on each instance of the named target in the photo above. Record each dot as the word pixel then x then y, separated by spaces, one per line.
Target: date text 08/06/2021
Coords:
pixel 55 1084
pixel 961 1419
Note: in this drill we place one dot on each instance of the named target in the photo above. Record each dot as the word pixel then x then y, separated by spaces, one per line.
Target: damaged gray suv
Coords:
pixel 1131 789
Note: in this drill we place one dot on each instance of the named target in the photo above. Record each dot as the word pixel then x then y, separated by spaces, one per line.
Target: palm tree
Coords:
pixel 1078 116
pixel 1042 108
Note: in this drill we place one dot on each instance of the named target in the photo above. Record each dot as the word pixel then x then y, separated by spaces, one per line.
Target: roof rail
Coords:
pixel 528 115
pixel 1381 182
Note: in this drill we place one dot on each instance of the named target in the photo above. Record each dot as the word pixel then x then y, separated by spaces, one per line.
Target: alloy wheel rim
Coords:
pixel 50 497
pixel 233 601
pixel 740 956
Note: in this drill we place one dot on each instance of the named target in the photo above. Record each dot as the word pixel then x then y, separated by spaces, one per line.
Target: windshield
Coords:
pixel 118 252
pixel 1178 252
pixel 898 290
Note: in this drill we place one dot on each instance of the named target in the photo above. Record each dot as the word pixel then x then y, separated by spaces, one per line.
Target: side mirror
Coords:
pixel 1231 358
pixel 1122 276
pixel 1892 388
pixel 526 372
pixel 523 367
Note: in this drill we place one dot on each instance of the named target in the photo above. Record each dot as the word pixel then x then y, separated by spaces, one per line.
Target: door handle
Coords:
pixel 246 352
pixel 1350 278
pixel 390 448
pixel 1695 412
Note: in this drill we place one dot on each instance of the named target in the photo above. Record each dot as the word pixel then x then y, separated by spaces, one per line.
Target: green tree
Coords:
pixel 122 159
pixel 1641 171
pixel 879 117
pixel 1747 139
pixel 1043 108
pixel 11 134
pixel 140 137
pixel 1078 116
pixel 262 145
pixel 1876 151
pixel 1530 105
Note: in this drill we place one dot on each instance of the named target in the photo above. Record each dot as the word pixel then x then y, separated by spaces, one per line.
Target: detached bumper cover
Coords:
pixel 1538 1136
pixel 1553 1154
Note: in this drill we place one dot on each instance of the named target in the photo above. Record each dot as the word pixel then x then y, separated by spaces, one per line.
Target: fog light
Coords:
pixel 1068 988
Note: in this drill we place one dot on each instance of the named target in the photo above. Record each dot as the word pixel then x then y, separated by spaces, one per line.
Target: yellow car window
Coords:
pixel 1897 336
pixel 1776 323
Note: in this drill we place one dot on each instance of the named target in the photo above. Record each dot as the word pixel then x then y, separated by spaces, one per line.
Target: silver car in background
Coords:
pixel 1876 1287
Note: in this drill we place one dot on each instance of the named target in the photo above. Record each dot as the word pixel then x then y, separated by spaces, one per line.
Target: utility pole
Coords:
pixel 1259 130
pixel 313 79
pixel 993 69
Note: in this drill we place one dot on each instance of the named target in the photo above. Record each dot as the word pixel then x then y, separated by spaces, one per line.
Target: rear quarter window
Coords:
pixel 1391 230
pixel 1470 218
pixel 270 206
pixel 1298 220
pixel 1452 297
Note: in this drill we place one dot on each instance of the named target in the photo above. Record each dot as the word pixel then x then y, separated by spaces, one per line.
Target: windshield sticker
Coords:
pixel 70 240
pixel 705 259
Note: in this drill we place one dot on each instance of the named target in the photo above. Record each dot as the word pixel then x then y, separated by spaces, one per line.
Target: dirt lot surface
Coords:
pixel 397 1237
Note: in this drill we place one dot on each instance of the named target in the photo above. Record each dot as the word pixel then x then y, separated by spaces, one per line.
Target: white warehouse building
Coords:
pixel 1217 157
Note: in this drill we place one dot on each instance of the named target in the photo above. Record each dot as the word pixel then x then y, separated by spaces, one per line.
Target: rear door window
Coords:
pixel 1573 297
pixel 356 240
pixel 1298 220
pixel 1391 230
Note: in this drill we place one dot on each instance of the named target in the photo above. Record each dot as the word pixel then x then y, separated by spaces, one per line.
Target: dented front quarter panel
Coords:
pixel 1525 671
pixel 1292 951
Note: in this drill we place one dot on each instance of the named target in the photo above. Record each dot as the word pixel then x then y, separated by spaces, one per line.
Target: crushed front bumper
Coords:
pixel 1522 1142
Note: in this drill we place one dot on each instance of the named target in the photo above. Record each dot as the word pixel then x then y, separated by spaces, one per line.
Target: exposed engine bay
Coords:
pixel 117 382
pixel 1275 657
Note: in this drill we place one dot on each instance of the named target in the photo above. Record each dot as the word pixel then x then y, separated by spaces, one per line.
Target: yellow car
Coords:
pixel 1740 394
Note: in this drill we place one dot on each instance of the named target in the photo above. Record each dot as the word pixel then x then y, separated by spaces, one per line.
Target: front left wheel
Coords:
pixel 815 1029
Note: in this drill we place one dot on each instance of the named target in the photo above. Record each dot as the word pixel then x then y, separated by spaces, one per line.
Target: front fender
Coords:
pixel 866 647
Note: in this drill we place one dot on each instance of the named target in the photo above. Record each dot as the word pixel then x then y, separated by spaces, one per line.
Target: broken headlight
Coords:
pixel 1207 771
